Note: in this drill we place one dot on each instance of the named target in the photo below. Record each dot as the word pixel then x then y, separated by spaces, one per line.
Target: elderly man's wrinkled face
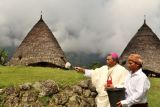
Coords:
pixel 110 62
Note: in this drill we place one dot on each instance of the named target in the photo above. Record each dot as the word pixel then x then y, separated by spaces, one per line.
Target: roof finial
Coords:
pixel 41 16
pixel 144 19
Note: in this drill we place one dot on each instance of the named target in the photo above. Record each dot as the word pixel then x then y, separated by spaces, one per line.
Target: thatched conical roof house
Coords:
pixel 39 48
pixel 147 44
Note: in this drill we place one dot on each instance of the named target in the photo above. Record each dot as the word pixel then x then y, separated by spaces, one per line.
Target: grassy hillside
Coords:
pixel 18 75
pixel 154 93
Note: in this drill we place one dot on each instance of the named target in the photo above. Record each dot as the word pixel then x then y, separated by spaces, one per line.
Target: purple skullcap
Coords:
pixel 114 55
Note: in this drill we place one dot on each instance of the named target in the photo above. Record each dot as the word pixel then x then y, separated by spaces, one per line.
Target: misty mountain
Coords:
pixel 76 59
pixel 84 59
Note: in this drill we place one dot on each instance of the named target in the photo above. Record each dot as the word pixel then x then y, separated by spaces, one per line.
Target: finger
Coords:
pixel 118 103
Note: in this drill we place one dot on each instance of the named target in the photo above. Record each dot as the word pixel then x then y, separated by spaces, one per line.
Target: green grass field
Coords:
pixel 154 93
pixel 19 75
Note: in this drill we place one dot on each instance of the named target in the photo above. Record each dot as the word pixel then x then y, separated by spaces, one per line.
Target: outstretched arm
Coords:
pixel 86 72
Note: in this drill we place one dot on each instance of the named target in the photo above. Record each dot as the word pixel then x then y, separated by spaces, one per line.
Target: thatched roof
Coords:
pixel 147 44
pixel 39 48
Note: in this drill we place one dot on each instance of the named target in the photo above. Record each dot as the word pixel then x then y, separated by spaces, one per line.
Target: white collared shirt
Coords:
pixel 137 85
pixel 100 75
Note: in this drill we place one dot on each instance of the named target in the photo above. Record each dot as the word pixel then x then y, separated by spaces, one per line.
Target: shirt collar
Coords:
pixel 137 72
pixel 112 67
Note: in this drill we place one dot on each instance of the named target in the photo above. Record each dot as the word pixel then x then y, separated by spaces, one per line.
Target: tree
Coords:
pixel 3 56
pixel 95 65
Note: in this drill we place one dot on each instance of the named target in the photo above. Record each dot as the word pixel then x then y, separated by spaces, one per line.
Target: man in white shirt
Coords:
pixel 137 84
pixel 99 78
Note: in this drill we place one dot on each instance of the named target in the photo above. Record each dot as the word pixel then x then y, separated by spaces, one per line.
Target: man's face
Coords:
pixel 110 62
pixel 133 66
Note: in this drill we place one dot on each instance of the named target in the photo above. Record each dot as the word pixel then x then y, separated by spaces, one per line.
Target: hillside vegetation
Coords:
pixel 19 75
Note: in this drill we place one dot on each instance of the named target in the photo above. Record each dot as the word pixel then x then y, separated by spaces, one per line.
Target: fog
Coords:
pixel 89 26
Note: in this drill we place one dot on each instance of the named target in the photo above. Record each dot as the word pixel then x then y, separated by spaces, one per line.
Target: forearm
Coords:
pixel 136 98
pixel 86 72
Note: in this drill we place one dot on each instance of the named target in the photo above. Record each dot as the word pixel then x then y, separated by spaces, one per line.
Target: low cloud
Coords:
pixel 90 26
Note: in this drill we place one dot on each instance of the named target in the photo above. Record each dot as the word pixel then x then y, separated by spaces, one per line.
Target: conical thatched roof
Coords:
pixel 147 44
pixel 39 48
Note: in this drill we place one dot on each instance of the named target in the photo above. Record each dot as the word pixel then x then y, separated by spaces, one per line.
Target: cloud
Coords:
pixel 91 26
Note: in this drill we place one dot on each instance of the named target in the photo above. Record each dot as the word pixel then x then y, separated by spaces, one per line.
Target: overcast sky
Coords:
pixel 91 26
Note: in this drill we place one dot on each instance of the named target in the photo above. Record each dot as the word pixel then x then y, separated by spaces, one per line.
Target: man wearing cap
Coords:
pixel 112 72
pixel 137 84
